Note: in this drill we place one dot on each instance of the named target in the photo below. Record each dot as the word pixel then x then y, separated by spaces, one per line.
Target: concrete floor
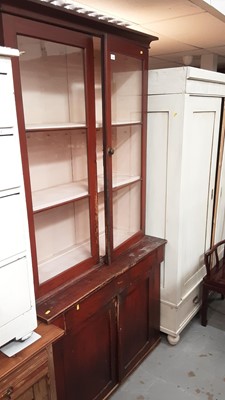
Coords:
pixel 194 369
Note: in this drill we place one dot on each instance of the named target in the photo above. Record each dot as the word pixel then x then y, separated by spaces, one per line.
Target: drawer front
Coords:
pixel 189 307
pixel 21 379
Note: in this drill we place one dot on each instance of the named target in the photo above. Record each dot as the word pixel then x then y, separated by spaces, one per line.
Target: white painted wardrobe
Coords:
pixel 184 125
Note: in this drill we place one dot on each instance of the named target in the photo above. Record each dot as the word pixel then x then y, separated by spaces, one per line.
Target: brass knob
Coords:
pixel 110 151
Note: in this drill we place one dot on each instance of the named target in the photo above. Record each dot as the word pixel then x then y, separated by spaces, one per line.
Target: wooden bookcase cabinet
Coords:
pixel 111 324
pixel 81 87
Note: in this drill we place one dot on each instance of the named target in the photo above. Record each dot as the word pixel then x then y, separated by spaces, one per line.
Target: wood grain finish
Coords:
pixel 103 344
pixel 31 371
pixel 94 299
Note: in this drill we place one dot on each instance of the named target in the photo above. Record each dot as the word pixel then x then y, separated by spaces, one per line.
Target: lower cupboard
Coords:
pixel 111 319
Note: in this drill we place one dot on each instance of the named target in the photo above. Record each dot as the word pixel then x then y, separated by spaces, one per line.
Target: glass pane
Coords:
pixel 126 212
pixel 62 238
pixel 126 160
pixel 58 166
pixel 98 80
pixel 126 87
pixel 52 77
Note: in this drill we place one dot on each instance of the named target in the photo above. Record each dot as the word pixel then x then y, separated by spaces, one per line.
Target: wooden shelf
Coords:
pixel 125 123
pixel 57 195
pixel 118 181
pixel 47 198
pixel 71 125
pixel 63 260
pixel 54 127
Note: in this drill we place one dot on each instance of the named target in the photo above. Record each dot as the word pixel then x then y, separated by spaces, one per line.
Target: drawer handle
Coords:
pixel 196 300
pixel 9 391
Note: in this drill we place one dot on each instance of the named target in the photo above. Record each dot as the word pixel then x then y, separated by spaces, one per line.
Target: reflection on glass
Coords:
pixel 126 212
pixel 58 166
pixel 126 160
pixel 98 81
pixel 52 78
pixel 62 238
pixel 126 87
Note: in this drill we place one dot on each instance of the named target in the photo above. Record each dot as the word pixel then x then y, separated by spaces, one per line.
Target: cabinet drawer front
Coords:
pixel 12 235
pixel 24 377
pixel 88 308
pixel 9 162
pixel 189 307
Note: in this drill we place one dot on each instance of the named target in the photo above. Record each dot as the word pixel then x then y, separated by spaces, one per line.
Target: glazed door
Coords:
pixel 124 143
pixel 57 80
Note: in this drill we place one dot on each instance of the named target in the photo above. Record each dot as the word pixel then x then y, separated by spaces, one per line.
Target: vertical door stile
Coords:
pixel 217 217
pixel 144 138
pixel 106 121
pixel 91 147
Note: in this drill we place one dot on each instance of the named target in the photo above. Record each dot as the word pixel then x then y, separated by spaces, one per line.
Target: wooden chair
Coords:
pixel 215 276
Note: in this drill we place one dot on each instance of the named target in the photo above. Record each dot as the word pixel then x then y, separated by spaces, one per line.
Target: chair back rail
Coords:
pixel 214 281
pixel 212 259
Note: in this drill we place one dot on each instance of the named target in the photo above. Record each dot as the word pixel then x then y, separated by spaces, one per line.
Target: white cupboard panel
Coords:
pixel 7 115
pixel 12 235
pixel 14 291
pixel 17 302
pixel 164 155
pixel 10 173
pixel 198 183
pixel 157 148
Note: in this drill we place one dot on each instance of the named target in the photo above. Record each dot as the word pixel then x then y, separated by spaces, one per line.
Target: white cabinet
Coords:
pixel 184 113
pixel 17 305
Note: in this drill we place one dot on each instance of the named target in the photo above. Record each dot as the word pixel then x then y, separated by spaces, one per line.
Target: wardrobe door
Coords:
pixel 199 161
